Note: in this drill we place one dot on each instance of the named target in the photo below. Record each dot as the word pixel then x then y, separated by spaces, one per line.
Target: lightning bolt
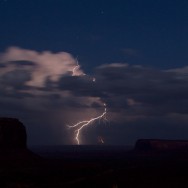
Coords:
pixel 80 125
pixel 100 140
pixel 75 68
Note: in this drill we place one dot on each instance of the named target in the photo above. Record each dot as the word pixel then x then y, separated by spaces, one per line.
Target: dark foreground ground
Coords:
pixel 103 167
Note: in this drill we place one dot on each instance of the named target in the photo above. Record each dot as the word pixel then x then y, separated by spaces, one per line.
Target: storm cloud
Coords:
pixel 41 89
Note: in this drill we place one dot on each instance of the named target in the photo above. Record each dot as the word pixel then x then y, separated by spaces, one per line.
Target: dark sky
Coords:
pixel 136 50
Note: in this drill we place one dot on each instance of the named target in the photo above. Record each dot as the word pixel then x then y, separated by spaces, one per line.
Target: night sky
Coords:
pixel 133 57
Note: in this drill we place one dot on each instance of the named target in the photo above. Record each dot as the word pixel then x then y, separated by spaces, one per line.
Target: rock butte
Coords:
pixel 12 134
pixel 161 145
pixel 13 143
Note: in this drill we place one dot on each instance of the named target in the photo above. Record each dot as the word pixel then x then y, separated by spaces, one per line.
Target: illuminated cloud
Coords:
pixel 29 86
pixel 40 88
pixel 113 65
pixel 47 65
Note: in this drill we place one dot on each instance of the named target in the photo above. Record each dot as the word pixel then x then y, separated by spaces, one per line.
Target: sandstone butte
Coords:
pixel 161 145
pixel 13 143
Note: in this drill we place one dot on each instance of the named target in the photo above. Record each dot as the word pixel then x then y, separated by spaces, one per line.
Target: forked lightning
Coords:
pixel 80 125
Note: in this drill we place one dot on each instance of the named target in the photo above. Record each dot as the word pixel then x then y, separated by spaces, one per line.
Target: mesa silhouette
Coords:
pixel 144 165
pixel 13 143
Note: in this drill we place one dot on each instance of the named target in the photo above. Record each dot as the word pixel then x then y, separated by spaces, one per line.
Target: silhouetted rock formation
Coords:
pixel 12 134
pixel 161 145
pixel 13 143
